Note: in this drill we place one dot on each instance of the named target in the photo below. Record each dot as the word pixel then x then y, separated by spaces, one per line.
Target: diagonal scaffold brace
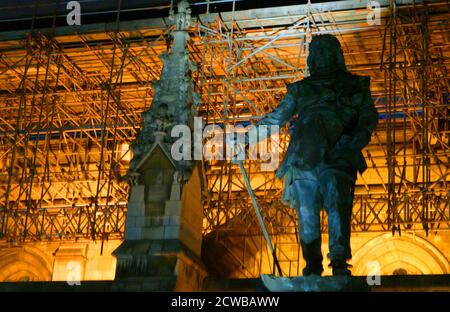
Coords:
pixel 256 207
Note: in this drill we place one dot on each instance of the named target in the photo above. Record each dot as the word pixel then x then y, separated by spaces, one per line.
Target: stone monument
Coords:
pixel 163 231
pixel 336 117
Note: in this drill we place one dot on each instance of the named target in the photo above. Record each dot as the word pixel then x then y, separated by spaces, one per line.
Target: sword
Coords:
pixel 256 206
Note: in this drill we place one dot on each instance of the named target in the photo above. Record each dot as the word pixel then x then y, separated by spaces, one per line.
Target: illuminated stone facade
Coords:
pixel 410 254
pixel 53 261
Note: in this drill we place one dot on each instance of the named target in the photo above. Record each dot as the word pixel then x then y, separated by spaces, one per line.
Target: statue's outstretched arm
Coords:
pixel 281 114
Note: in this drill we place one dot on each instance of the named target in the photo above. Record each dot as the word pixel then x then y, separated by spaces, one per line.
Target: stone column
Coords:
pixel 163 232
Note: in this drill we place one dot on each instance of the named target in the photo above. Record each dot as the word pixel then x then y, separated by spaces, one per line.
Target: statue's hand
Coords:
pixel 360 140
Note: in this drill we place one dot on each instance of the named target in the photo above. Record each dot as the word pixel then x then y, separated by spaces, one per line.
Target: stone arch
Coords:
pixel 408 252
pixel 24 263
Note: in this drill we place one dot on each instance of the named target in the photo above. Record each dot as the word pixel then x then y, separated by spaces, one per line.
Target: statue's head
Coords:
pixel 325 55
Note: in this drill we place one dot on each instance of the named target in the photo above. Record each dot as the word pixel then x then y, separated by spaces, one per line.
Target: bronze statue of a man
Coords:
pixel 336 117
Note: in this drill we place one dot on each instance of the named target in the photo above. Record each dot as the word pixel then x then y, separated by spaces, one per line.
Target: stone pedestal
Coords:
pixel 313 283
pixel 163 231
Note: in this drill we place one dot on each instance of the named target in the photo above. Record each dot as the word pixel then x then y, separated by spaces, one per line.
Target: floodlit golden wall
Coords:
pixel 58 261
pixel 411 252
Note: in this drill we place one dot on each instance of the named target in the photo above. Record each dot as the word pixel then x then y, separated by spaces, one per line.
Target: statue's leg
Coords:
pixel 336 187
pixel 308 210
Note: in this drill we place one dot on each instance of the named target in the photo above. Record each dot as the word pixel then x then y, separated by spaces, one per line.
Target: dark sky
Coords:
pixel 12 9
pixel 18 14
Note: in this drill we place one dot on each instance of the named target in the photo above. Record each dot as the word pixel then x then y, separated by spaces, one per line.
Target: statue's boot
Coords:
pixel 340 268
pixel 313 257
pixel 306 191
pixel 337 188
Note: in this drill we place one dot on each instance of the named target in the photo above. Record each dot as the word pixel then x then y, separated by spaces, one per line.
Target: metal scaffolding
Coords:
pixel 66 127
pixel 417 129
pixel 71 105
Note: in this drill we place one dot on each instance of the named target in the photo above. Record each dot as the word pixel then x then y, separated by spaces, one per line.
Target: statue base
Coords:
pixel 313 283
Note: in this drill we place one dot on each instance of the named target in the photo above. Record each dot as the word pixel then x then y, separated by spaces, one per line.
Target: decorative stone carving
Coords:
pixel 163 231
pixel 174 100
